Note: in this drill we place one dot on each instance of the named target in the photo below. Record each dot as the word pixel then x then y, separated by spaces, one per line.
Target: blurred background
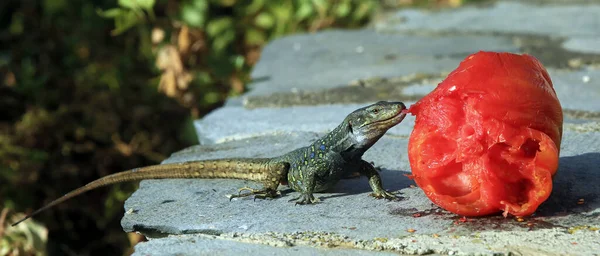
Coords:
pixel 89 88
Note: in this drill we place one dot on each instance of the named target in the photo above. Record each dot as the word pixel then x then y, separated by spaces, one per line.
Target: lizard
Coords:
pixel 313 168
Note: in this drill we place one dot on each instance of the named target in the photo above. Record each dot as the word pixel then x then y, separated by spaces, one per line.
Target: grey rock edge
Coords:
pixel 306 84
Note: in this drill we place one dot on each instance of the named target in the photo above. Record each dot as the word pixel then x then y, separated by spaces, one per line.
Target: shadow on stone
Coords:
pixel 153 231
pixel 576 186
pixel 393 181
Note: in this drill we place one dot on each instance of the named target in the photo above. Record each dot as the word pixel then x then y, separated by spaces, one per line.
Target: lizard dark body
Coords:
pixel 309 169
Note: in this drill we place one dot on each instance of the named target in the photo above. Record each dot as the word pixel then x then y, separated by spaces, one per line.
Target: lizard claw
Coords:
pixel 251 191
pixel 305 199
pixel 384 195
pixel 269 194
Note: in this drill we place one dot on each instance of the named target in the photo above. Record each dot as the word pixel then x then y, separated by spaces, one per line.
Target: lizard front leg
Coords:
pixel 316 175
pixel 369 170
pixel 305 184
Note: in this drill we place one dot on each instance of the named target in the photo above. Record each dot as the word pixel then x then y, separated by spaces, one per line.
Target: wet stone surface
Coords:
pixel 304 85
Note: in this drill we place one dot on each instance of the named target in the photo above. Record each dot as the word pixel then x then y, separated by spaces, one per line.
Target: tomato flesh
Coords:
pixel 487 139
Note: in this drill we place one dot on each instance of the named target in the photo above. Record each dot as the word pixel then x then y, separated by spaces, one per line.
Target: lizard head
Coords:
pixel 368 124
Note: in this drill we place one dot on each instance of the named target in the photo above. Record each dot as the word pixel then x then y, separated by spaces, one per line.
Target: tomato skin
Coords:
pixel 487 139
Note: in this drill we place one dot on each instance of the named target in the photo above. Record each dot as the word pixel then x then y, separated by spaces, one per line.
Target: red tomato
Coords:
pixel 487 138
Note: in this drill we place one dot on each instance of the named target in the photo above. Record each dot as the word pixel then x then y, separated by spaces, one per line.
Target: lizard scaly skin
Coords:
pixel 309 169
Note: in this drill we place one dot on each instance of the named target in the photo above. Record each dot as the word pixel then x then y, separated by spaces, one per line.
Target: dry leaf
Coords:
pixel 175 78
pixel 158 35
pixel 167 83
pixel 252 55
pixel 9 79
pixel 184 40
pixel 183 80
pixel 236 84
pixel 168 58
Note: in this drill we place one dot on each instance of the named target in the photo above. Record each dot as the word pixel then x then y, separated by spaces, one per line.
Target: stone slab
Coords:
pixel 539 242
pixel 583 44
pixel 577 90
pixel 218 126
pixel 206 245
pixel 578 20
pixel 414 42
pixel 190 217
pixel 334 58
pixel 161 207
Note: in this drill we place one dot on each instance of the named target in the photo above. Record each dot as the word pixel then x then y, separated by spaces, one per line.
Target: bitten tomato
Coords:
pixel 487 139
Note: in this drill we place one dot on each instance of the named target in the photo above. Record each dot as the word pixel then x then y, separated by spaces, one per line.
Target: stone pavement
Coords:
pixel 306 84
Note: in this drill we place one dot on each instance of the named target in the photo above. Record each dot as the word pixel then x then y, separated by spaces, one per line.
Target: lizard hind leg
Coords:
pixel 257 193
pixel 276 172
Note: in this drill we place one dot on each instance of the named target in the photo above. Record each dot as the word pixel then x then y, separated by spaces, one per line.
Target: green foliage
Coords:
pixel 27 239
pixel 233 31
pixel 129 14
pixel 87 94
pixel 428 4
pixel 77 104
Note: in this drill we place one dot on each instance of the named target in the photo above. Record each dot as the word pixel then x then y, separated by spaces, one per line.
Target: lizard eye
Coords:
pixel 375 111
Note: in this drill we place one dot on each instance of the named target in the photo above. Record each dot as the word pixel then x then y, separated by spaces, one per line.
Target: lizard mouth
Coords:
pixel 395 119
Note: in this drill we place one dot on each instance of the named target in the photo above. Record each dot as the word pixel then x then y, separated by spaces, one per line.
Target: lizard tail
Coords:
pixel 256 169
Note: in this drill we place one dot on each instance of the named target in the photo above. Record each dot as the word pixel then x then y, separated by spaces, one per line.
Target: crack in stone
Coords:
pixel 586 127
pixel 548 49
pixel 358 91
pixel 410 244
pixel 582 114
